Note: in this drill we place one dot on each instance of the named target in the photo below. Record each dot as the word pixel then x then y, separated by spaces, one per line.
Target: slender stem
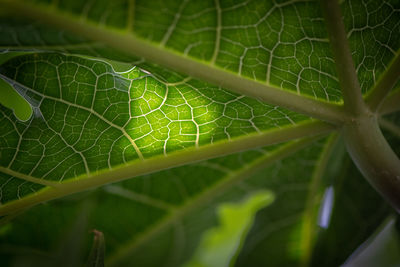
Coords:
pixel 202 70
pixel 207 196
pixel 165 162
pixel 391 103
pixel 386 82
pixel 390 126
pixel 351 91
pixel 374 157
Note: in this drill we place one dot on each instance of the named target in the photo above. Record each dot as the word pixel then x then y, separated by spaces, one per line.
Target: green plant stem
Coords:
pixel 390 126
pixel 364 140
pixel 391 103
pixel 128 43
pixel 374 157
pixel 386 82
pixel 96 257
pixel 351 91
pixel 165 162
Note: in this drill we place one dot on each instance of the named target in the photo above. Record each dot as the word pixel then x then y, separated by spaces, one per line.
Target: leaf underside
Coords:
pixel 101 114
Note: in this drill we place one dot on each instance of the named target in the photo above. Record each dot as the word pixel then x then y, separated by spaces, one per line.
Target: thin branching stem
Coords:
pixel 391 103
pixel 385 83
pixel 351 91
pixel 364 140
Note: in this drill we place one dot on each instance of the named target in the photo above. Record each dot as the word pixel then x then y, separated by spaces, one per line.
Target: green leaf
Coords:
pixel 220 245
pixel 170 108
pixel 90 119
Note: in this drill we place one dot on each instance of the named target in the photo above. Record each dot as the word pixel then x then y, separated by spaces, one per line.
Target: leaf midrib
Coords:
pixel 140 167
pixel 130 44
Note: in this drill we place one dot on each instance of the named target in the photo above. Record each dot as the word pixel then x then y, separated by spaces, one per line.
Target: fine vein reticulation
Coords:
pixel 93 124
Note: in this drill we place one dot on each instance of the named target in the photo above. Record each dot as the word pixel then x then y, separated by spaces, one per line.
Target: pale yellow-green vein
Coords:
pixel 140 167
pixel 157 53
pixel 28 178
